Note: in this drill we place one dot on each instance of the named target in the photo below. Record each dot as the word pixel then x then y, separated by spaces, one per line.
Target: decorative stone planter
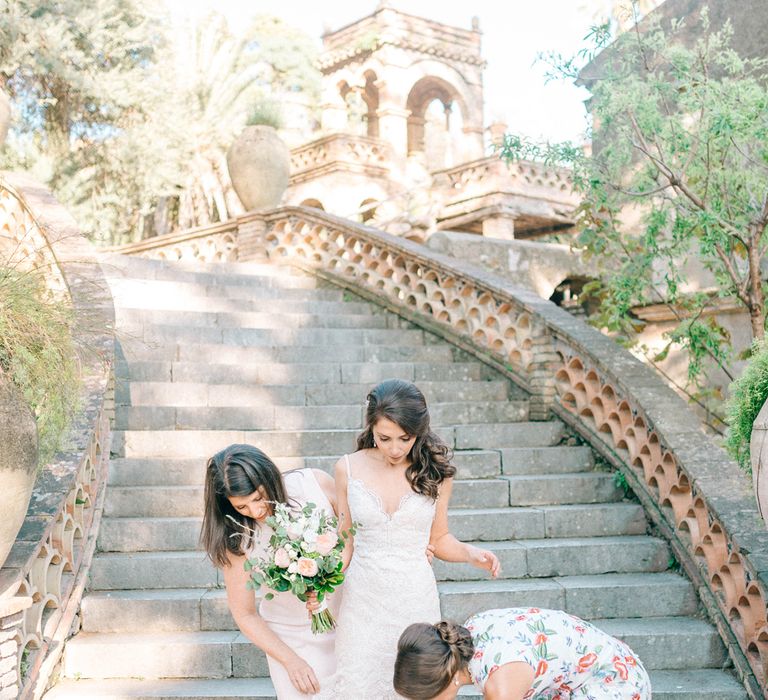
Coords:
pixel 5 116
pixel 259 164
pixel 758 452
pixel 18 462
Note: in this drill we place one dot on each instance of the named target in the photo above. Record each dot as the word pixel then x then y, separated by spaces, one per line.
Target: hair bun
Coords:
pixel 448 632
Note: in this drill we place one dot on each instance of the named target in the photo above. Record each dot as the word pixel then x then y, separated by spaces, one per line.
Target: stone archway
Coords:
pixel 313 204
pixel 424 94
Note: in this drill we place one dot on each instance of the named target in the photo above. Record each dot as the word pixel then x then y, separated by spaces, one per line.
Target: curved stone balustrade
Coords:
pixel 696 495
pixel 43 578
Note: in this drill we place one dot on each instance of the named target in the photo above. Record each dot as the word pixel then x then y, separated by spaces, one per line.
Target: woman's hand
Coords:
pixel 484 559
pixel 313 605
pixel 302 676
pixel 430 553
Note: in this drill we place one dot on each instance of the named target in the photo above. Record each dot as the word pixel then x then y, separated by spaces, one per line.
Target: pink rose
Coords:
pixel 282 558
pixel 326 542
pixel 307 567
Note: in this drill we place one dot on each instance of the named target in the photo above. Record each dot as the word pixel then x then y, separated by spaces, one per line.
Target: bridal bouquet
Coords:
pixel 303 555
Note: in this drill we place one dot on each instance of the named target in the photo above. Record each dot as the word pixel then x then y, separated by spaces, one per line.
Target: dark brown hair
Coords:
pixel 403 403
pixel 429 656
pixel 237 470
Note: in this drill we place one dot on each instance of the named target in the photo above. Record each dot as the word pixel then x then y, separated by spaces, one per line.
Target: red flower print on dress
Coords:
pixel 636 696
pixel 533 610
pixel 630 660
pixel 541 669
pixel 580 629
pixel 540 639
pixel 609 679
pixel 567 688
pixel 621 670
pixel 478 654
pixel 557 679
pixel 491 670
pixel 520 617
pixel 586 661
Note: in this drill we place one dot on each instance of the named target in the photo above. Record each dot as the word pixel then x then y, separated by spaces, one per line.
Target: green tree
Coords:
pixel 123 112
pixel 675 192
pixel 77 74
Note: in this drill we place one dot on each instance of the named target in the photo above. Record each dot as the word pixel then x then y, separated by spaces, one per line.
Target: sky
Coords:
pixel 514 33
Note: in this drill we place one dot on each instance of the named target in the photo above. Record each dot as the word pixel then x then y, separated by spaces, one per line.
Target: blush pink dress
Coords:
pixel 285 614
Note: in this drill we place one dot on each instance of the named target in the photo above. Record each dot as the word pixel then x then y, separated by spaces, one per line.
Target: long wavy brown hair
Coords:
pixel 238 470
pixel 429 657
pixel 403 403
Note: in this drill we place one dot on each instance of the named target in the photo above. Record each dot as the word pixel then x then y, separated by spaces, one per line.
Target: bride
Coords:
pixel 396 488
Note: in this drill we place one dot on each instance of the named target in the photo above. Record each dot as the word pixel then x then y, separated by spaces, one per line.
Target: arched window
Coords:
pixel 313 204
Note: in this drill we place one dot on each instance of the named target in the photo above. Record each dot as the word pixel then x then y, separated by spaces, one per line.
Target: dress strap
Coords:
pixel 349 469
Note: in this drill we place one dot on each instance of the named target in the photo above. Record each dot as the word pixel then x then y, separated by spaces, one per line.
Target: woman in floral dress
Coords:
pixel 518 654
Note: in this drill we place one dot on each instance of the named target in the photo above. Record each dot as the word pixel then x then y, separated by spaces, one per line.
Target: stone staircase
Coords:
pixel 215 354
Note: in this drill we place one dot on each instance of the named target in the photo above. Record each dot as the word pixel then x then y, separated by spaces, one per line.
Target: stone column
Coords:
pixel 250 240
pixel 500 225
pixel 393 128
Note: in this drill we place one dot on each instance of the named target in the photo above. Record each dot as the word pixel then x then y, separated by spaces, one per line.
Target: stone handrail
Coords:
pixel 534 179
pixel 369 154
pixel 694 494
pixel 42 580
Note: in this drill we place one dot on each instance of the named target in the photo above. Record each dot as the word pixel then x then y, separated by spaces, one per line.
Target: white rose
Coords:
pixel 293 567
pixel 296 529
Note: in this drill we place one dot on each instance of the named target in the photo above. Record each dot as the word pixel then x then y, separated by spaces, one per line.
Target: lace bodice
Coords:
pixel 404 533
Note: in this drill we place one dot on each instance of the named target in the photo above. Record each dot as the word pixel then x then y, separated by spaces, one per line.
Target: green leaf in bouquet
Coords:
pixel 250 585
pixel 248 565
pixel 269 596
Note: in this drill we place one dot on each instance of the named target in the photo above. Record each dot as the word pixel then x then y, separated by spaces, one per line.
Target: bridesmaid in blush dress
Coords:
pixel 242 483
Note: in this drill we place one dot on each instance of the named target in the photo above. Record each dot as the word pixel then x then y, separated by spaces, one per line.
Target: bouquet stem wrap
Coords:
pixel 322 619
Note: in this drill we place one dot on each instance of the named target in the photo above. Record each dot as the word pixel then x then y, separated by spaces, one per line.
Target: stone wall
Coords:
pixel 43 578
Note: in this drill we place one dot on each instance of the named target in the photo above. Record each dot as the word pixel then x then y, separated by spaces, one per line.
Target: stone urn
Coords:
pixel 259 164
pixel 18 462
pixel 758 454
pixel 5 116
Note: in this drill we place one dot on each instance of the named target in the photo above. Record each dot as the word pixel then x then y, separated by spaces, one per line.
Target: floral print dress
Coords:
pixel 571 658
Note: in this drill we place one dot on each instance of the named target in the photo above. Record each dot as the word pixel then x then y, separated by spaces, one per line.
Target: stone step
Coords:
pixel 227 353
pixel 316 395
pixel 163 655
pixel 133 576
pixel 115 264
pixel 125 535
pixel 133 317
pixel 216 274
pixel 566 557
pixel 576 487
pixel 560 459
pixel 259 337
pixel 504 435
pixel 159 295
pixel 472 464
pixel 700 684
pixel 612 595
pixel 594 596
pixel 662 642
pixel 187 501
pixel 208 654
pixel 289 443
pixel 272 416
pixel 323 373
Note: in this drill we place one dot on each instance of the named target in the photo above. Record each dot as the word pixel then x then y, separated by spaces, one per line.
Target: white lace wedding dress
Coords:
pixel 389 584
